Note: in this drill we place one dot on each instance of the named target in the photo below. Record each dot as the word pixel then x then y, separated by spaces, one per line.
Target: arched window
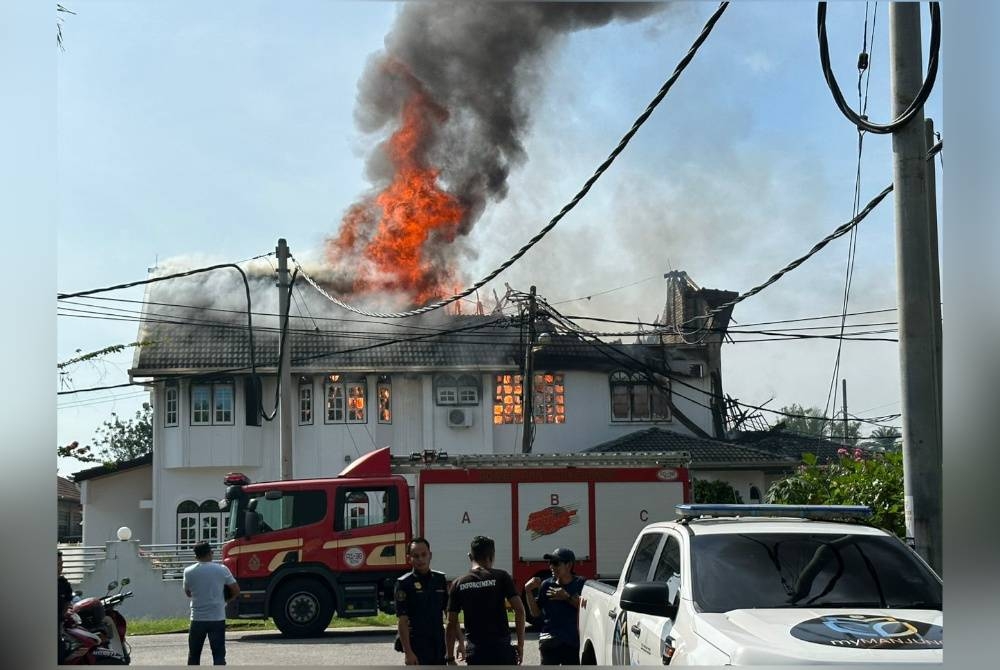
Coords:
pixel 209 521
pixel 639 397
pixel 187 522
pixel 357 510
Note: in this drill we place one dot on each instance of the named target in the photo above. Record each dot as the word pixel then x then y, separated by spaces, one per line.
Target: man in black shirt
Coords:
pixel 421 596
pixel 480 595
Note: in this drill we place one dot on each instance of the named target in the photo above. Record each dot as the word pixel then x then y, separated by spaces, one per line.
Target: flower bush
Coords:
pixel 876 481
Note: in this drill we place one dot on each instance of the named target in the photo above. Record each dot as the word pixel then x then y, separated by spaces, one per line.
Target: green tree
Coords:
pixel 811 422
pixel 715 491
pixel 116 440
pixel 855 480
pixel 887 437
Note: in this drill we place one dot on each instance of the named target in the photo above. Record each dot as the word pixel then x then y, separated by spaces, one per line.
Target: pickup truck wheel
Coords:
pixel 302 608
pixel 588 657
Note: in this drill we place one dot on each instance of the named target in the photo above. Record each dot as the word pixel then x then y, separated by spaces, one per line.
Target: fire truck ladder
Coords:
pixel 438 460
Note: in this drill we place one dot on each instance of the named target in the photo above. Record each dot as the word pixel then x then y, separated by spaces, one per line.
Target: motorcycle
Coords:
pixel 93 630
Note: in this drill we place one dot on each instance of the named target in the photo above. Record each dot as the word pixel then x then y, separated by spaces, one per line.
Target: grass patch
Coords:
pixel 179 625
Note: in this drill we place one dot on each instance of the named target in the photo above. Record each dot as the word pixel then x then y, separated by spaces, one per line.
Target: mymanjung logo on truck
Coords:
pixel 866 631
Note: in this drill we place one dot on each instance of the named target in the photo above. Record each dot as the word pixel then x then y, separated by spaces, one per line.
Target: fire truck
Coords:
pixel 303 550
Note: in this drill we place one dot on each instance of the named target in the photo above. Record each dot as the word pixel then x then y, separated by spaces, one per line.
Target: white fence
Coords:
pixel 154 571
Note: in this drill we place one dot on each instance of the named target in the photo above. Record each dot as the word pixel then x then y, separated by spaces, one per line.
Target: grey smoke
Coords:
pixel 484 62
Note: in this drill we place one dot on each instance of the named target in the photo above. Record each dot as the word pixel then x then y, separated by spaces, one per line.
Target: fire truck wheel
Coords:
pixel 302 608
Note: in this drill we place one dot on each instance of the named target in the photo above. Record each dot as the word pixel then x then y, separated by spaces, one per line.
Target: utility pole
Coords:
pixel 844 382
pixel 921 390
pixel 528 379
pixel 284 376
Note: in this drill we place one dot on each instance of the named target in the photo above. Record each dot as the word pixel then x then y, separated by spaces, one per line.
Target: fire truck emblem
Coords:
pixel 354 557
pixel 254 562
pixel 551 519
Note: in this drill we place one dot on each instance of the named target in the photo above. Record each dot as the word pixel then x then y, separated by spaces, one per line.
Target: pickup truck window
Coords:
pixel 643 560
pixel 782 570
pixel 668 566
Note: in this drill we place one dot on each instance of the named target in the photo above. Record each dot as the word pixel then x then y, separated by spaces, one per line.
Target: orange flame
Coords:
pixel 407 216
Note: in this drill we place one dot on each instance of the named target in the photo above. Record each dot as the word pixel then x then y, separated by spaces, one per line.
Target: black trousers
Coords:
pixel 493 652
pixel 216 633
pixel 428 648
pixel 557 652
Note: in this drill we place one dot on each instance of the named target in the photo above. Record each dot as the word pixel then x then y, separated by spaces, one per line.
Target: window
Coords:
pixel 383 391
pixel 636 397
pixel 223 396
pixel 212 404
pixel 360 508
pixel 638 572
pixel 548 398
pixel 170 405
pixel 781 570
pixel 196 523
pixel 187 523
pixel 460 390
pixel 201 401
pixel 305 401
pixel 346 400
pixel 291 510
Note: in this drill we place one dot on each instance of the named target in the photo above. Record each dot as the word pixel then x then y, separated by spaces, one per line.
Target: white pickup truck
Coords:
pixel 764 585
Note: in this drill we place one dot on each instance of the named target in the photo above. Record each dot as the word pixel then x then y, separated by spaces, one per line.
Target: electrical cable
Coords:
pixel 706 30
pixel 915 105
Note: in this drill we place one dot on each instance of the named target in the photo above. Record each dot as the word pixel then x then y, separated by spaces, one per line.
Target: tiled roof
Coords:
pixel 66 490
pixel 226 347
pixel 704 453
pixel 792 444
pixel 112 468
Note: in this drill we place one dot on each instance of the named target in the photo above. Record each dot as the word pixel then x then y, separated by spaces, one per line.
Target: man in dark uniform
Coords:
pixel 421 596
pixel 480 595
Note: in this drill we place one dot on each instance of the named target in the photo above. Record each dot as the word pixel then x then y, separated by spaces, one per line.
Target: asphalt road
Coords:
pixel 364 646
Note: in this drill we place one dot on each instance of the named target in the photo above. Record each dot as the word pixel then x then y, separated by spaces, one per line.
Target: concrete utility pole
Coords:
pixel 284 377
pixel 844 382
pixel 918 351
pixel 528 379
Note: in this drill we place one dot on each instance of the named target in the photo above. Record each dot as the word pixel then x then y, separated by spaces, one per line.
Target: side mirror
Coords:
pixel 126 582
pixel 273 495
pixel 649 598
pixel 112 586
pixel 251 523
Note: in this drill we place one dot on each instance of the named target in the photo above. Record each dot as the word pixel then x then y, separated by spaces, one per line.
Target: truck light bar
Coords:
pixel 827 512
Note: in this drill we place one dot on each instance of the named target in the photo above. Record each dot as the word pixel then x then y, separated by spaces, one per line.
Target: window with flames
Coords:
pixel 548 398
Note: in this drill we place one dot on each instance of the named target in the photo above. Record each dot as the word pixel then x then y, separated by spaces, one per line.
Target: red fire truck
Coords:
pixel 305 549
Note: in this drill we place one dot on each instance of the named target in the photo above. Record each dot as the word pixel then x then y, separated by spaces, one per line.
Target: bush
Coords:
pixel 715 491
pixel 876 481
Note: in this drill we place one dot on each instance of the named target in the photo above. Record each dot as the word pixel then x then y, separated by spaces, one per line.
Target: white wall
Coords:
pixel 154 597
pixel 112 501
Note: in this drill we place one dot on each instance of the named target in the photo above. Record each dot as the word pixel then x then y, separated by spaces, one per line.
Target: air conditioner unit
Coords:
pixel 459 418
pixel 696 370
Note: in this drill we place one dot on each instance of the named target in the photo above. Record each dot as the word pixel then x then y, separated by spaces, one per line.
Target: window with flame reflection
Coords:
pixel 383 391
pixel 346 400
pixel 548 398
pixel 637 397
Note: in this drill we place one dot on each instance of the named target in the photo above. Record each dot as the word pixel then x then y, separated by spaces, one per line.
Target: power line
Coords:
pixel 706 30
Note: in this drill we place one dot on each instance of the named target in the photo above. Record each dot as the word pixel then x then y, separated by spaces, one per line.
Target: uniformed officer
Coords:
pixel 421 596
pixel 480 595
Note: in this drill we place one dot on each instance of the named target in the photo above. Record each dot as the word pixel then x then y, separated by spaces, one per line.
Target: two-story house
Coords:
pixel 442 382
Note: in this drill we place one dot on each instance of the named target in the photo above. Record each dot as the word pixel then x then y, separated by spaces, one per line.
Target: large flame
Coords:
pixel 395 230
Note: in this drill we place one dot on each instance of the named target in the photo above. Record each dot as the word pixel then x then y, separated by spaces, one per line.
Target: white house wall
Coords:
pixel 112 501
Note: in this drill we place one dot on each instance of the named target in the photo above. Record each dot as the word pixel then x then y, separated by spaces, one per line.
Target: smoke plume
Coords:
pixel 451 93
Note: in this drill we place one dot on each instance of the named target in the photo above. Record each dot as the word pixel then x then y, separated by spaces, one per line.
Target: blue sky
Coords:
pixel 207 131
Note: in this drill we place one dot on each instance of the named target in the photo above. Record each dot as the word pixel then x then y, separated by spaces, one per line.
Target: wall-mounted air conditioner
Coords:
pixel 459 417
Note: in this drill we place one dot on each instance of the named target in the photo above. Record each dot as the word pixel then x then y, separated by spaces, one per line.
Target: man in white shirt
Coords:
pixel 209 586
